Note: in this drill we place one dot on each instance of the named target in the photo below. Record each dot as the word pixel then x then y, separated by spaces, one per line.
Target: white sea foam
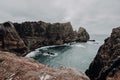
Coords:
pixel 52 55
pixel 78 45
pixel 31 54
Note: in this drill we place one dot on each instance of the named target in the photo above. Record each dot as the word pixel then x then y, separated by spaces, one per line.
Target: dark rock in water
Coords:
pixel 92 40
pixel 106 65
pixel 83 35
pixel 24 37
pixel 21 68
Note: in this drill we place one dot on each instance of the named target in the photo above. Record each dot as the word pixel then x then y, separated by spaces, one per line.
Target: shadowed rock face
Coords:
pixel 106 65
pixel 38 34
pixel 11 40
pixel 13 67
pixel 27 36
pixel 83 35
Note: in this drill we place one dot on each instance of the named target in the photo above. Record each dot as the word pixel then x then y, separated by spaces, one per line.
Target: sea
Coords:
pixel 76 55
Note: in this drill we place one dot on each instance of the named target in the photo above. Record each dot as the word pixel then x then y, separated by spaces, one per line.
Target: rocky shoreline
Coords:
pixel 22 38
pixel 106 64
pixel 13 67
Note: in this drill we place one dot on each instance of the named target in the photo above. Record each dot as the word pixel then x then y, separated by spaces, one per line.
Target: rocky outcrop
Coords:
pixel 106 65
pixel 83 35
pixel 13 67
pixel 37 34
pixel 24 37
pixel 10 39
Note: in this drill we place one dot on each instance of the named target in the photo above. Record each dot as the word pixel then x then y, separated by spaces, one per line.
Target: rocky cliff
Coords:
pixel 106 64
pixel 10 39
pixel 83 35
pixel 13 67
pixel 27 36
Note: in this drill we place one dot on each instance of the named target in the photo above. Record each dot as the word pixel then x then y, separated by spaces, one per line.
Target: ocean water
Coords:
pixel 75 55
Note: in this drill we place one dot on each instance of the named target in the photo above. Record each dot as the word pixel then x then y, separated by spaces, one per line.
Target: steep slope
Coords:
pixel 106 65
pixel 13 67
pixel 24 37
pixel 10 39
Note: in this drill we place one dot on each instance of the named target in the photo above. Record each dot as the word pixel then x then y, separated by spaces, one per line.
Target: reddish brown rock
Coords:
pixel 24 37
pixel 10 39
pixel 106 64
pixel 13 67
pixel 37 34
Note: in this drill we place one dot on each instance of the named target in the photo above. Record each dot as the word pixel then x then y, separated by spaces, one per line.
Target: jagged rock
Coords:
pixel 37 34
pixel 83 35
pixel 10 40
pixel 27 36
pixel 106 65
pixel 13 67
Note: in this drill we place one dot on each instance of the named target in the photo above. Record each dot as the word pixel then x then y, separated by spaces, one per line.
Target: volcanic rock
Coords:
pixel 83 35
pixel 27 36
pixel 10 39
pixel 13 67
pixel 106 64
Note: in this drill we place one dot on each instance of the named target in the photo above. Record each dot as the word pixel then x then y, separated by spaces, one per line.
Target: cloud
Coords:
pixel 97 16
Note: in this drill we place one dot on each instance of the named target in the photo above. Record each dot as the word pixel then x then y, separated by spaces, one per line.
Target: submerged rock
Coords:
pixel 106 65
pixel 21 68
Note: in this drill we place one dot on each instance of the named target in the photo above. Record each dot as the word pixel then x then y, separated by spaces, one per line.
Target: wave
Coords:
pixel 31 54
pixel 78 45
pixel 50 54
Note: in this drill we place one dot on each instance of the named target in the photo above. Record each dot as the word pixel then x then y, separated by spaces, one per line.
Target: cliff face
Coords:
pixel 13 67
pixel 106 65
pixel 37 34
pixel 10 39
pixel 28 36
pixel 83 35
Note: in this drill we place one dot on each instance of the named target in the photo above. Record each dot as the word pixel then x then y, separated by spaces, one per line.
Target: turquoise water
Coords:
pixel 75 55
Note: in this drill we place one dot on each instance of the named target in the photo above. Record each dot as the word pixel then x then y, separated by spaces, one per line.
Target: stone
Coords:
pixel 21 38
pixel 106 64
pixel 83 35
pixel 10 38
pixel 21 68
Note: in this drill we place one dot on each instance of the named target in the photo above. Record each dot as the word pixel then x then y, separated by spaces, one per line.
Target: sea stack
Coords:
pixel 83 35
pixel 106 64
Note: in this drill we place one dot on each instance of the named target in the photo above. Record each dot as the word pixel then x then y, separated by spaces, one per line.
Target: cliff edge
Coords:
pixel 106 64
pixel 21 38
pixel 13 67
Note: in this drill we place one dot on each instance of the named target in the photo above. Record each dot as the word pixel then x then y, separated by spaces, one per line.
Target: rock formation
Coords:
pixel 10 39
pixel 106 64
pixel 83 35
pixel 13 67
pixel 27 36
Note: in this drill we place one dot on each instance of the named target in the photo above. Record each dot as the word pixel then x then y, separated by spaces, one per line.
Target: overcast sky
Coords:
pixel 97 16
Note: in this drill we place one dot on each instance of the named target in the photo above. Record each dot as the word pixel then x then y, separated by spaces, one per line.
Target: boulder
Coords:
pixel 106 64
pixel 13 67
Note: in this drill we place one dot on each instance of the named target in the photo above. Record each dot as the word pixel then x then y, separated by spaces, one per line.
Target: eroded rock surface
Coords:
pixel 37 34
pixel 106 65
pixel 83 35
pixel 27 36
pixel 13 67
pixel 10 39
